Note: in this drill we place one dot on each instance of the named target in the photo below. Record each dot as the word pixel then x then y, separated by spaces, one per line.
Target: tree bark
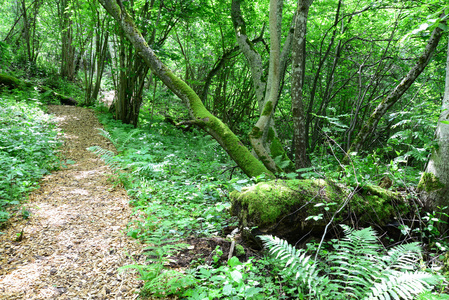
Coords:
pixel 434 184
pixel 298 73
pixel 263 136
pixel 68 50
pixel 201 117
pixel 396 94
pixel 258 136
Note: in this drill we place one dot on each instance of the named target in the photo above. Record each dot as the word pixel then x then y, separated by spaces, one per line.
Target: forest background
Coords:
pixel 350 91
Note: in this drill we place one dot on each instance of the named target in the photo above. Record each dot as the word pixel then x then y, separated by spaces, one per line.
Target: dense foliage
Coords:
pixel 28 147
pixel 356 55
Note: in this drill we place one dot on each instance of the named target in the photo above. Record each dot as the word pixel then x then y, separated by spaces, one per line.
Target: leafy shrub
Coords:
pixel 27 149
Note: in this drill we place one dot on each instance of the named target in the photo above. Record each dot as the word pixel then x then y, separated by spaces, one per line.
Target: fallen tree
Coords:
pixel 296 209
pixel 12 82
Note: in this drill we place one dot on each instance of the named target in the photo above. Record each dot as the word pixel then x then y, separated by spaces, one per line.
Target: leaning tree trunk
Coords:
pixel 200 115
pixel 434 184
pixel 397 92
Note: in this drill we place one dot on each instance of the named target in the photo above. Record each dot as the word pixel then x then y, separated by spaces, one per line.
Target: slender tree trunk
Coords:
pixel 298 73
pixel 200 116
pixel 258 136
pixel 67 50
pixel 263 136
pixel 397 92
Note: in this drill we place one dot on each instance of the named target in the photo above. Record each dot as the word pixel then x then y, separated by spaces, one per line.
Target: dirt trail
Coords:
pixel 73 242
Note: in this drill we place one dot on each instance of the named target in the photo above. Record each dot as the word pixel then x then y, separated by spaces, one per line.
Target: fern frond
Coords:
pixel 296 261
pixel 403 257
pixel 123 143
pixel 118 143
pixel 355 263
pixel 358 268
pixel 106 155
pixel 402 285
pixel 108 136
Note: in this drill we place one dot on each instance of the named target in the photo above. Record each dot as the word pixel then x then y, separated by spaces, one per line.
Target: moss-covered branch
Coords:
pixel 208 122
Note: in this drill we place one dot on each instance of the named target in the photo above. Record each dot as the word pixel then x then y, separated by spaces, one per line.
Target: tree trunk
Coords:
pixel 67 50
pixel 434 184
pixel 298 72
pixel 263 136
pixel 201 117
pixel 396 94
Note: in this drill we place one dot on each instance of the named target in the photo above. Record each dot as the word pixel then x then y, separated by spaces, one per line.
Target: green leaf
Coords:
pixel 236 276
pixel 228 290
pixel 234 261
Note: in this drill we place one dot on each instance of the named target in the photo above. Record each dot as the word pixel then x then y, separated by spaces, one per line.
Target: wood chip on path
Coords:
pixel 74 241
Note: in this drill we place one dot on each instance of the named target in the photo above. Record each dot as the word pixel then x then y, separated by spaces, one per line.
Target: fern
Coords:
pixel 106 155
pixel 359 269
pixel 297 263
pixel 118 143
pixel 402 285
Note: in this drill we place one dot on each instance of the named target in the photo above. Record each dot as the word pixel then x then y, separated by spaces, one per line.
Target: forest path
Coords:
pixel 73 242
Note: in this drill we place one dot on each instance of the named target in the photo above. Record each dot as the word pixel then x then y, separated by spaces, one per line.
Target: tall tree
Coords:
pixel 298 72
pixel 200 116
pixel 67 48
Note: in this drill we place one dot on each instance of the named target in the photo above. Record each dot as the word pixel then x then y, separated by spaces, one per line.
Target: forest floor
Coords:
pixel 74 241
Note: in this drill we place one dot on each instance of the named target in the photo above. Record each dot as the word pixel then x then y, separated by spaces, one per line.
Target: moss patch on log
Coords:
pixel 282 207
pixel 13 83
pixel 265 202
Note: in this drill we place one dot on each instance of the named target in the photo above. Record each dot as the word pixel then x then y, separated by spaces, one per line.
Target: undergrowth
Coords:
pixel 179 182
pixel 28 147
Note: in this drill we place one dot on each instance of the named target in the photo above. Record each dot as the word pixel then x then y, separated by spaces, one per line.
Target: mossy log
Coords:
pixel 12 82
pixel 292 209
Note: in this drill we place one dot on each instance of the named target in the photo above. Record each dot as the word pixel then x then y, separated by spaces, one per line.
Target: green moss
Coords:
pixel 271 134
pixel 256 132
pixel 267 109
pixel 429 182
pixel 276 149
pixel 12 82
pixel 239 250
pixel 267 201
pixel 374 203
